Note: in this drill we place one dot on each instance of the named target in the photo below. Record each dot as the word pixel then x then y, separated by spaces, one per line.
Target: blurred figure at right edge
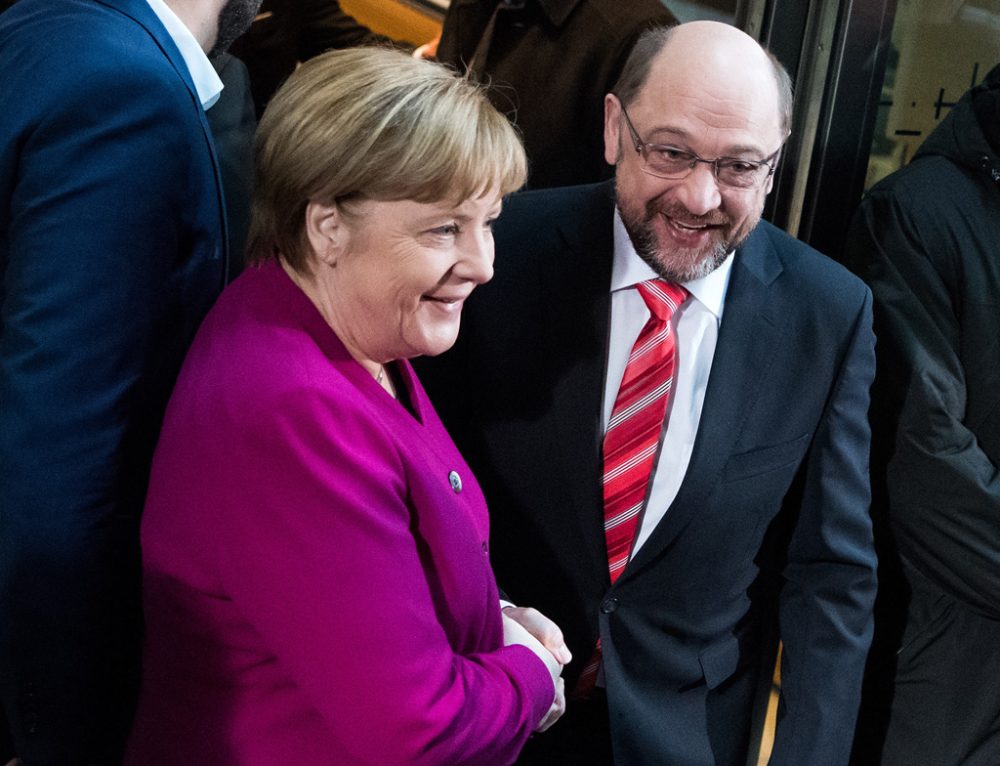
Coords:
pixel 925 239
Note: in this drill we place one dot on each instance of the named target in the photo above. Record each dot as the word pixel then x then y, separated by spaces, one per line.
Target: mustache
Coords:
pixel 682 215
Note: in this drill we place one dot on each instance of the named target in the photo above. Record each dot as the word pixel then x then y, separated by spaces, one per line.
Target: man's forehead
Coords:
pixel 717 67
pixel 678 90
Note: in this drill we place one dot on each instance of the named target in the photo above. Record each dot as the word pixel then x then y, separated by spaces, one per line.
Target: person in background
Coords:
pixel 112 248
pixel 317 585
pixel 549 64
pixel 925 241
pixel 287 32
pixel 232 122
pixel 665 399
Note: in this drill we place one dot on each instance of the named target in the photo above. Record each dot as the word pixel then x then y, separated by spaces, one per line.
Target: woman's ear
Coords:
pixel 326 231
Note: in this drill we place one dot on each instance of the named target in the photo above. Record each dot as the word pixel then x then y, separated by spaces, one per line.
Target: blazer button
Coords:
pixel 609 605
pixel 456 481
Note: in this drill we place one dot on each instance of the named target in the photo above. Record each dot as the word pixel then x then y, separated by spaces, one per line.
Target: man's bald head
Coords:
pixel 707 51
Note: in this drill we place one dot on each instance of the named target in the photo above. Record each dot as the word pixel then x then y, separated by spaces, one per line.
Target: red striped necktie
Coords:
pixel 633 434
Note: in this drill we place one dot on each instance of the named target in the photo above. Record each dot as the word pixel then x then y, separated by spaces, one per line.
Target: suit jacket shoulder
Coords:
pixel 813 280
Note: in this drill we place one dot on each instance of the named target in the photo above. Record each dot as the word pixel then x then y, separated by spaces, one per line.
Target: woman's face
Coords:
pixel 403 270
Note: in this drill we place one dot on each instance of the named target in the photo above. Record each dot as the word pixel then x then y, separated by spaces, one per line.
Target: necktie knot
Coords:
pixel 662 298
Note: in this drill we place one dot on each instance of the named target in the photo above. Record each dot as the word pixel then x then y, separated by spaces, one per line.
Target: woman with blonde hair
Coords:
pixel 317 580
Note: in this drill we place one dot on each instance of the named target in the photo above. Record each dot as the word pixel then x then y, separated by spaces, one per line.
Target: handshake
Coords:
pixel 529 627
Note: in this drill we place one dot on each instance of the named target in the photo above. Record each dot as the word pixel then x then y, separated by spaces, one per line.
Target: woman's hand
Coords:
pixel 557 709
pixel 514 632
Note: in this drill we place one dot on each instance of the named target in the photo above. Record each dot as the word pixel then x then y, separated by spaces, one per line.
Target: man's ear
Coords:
pixel 612 129
pixel 326 231
pixel 777 162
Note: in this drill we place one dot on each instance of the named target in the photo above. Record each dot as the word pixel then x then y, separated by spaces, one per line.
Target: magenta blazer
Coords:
pixel 317 582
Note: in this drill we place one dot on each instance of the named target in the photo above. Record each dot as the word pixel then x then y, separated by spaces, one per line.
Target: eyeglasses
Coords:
pixel 670 162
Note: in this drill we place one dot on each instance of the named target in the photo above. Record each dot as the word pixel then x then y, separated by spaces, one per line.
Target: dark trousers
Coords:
pixel 940 692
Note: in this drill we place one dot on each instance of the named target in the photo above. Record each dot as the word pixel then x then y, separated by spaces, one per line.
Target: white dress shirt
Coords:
pixel 697 330
pixel 206 80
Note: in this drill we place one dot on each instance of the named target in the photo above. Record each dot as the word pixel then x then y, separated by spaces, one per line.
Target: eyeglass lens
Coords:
pixel 674 163
pixel 668 162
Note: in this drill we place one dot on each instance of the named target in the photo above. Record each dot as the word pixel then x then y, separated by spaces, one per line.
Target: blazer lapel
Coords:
pixel 751 322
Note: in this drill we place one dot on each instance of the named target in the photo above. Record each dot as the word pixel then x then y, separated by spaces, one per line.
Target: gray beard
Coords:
pixel 235 18
pixel 682 265
pixel 676 267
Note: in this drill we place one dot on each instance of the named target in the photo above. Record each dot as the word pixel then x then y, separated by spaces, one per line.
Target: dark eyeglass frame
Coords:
pixel 643 149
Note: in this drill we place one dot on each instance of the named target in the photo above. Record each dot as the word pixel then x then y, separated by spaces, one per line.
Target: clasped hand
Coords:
pixel 529 627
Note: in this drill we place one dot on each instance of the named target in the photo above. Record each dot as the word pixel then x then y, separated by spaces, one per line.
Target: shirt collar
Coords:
pixel 206 80
pixel 629 269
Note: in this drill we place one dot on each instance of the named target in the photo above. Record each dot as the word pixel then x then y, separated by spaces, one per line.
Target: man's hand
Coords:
pixel 542 628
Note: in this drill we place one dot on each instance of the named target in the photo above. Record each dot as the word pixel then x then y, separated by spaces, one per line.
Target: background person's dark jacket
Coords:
pixel 550 64
pixel 288 31
pixel 927 240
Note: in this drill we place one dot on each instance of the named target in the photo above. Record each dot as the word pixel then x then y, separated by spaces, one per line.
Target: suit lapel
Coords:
pixel 751 322
pixel 576 337
pixel 140 12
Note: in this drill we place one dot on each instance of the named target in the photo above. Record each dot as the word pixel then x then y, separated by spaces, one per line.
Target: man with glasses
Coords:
pixel 665 400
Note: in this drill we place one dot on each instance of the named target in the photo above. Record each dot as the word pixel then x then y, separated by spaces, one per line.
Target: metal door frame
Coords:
pixel 836 52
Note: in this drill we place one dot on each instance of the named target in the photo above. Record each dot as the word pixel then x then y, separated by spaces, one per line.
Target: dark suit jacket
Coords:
pixel 771 522
pixel 111 250
pixel 233 124
pixel 550 66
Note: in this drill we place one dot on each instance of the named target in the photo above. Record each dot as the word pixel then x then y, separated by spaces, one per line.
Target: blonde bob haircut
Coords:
pixel 372 123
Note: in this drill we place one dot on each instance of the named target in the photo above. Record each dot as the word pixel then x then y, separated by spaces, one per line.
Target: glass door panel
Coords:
pixel 940 49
